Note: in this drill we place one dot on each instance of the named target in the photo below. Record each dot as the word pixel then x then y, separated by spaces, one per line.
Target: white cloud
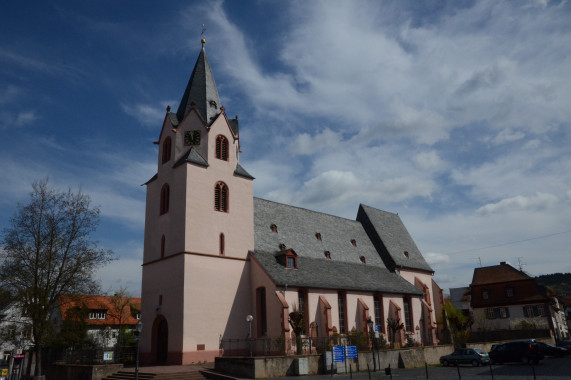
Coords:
pixel 508 135
pixel 306 144
pixel 539 202
pixel 147 114
pixel 25 118
pixel 436 259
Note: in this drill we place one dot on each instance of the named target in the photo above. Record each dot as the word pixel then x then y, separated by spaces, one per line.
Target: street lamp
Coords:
pixel 249 319
pixel 138 329
pixel 371 325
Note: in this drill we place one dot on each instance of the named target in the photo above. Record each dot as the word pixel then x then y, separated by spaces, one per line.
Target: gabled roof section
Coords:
pixel 497 273
pixel 242 172
pixel 297 228
pixel 201 92
pixel 331 274
pixel 193 157
pixel 391 238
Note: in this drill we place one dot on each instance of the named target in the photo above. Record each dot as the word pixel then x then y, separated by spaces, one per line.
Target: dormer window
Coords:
pixel 405 253
pixel 509 292
pixel 274 228
pixel 97 314
pixel 291 262
pixel 363 260
pixel 353 242
pixel 213 104
pixel 282 247
pixel 328 255
pixel 318 236
pixel 485 294
pixel 288 259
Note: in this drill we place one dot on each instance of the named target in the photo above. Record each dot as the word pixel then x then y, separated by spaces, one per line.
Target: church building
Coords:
pixel 215 255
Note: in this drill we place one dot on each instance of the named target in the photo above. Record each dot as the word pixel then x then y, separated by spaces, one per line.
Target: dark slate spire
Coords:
pixel 201 90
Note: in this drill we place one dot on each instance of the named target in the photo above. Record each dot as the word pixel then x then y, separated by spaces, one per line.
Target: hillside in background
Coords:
pixel 559 282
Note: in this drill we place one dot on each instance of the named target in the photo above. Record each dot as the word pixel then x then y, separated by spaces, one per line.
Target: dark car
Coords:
pixel 524 351
pixel 550 350
pixel 474 356
pixel 564 344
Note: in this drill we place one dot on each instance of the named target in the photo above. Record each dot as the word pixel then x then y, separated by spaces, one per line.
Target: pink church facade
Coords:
pixel 214 254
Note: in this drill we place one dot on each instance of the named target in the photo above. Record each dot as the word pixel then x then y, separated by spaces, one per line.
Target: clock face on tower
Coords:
pixel 192 138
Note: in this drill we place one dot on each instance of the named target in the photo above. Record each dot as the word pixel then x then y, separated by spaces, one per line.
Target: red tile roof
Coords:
pixel 107 303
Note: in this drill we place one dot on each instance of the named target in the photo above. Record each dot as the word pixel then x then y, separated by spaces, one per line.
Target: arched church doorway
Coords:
pixel 160 343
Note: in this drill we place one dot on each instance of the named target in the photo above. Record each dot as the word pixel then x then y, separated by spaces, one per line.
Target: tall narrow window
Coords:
pixel 301 299
pixel 221 148
pixel 407 318
pixel 261 311
pixel 221 243
pixel 378 311
pixel 163 246
pixel 341 307
pixel 166 150
pixel 165 199
pixel 221 197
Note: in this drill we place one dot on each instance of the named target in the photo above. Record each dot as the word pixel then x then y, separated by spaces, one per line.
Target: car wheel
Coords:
pixel 525 360
pixel 445 363
pixel 475 363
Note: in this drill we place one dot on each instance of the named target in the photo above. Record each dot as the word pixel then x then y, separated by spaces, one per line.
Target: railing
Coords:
pixel 90 356
pixel 281 346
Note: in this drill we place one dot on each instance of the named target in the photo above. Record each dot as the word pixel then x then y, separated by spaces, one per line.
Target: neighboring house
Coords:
pixel 214 254
pixel 460 299
pixel 105 316
pixel 15 330
pixel 504 298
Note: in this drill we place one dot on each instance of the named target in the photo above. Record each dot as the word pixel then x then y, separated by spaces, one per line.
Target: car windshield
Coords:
pixel 480 351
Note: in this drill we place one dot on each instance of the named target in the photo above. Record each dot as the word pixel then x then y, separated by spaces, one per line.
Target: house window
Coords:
pixel 407 318
pixel 166 150
pixel 221 244
pixel 530 311
pixel 485 294
pixel 318 236
pixel 163 246
pixel 378 307
pixel 97 314
pixel 497 313
pixel 301 299
pixel 165 197
pixel 221 197
pixel 221 148
pixel 261 311
pixel 274 228
pixel 509 292
pixel 291 262
pixel 353 242
pixel 328 254
pixel 341 310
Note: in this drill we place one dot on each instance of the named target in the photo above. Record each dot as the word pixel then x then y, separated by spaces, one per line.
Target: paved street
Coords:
pixel 548 369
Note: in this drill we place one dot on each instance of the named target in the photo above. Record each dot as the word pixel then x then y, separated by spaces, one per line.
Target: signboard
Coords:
pixel 4 372
pixel 338 354
pixel 377 331
pixel 108 355
pixel 351 352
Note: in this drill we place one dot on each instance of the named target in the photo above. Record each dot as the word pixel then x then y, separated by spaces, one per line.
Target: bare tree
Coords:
pixel 120 309
pixel 47 252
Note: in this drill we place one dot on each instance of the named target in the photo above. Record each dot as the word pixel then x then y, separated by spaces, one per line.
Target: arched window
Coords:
pixel 221 148
pixel 166 150
pixel 163 246
pixel 221 197
pixel 165 199
pixel 221 243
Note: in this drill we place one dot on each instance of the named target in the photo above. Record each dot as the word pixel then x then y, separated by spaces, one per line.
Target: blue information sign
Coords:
pixel 351 352
pixel 338 354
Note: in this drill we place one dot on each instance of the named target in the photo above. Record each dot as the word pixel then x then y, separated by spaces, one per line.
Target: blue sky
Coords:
pixel 454 114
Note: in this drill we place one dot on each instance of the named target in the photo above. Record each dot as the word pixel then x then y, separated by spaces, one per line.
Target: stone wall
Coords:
pixel 81 372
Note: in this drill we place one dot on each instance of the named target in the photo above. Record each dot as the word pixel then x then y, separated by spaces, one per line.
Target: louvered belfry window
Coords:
pixel 221 197
pixel 222 148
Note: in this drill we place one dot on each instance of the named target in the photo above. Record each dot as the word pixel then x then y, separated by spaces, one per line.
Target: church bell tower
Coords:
pixel 198 231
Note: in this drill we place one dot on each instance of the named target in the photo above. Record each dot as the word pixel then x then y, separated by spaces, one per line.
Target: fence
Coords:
pixel 91 356
pixel 281 346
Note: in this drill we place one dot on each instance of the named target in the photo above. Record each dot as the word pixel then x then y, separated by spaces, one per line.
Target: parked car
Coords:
pixel 564 344
pixel 550 350
pixel 474 356
pixel 524 351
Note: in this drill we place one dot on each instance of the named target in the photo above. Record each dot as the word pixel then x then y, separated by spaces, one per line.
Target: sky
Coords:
pixel 454 114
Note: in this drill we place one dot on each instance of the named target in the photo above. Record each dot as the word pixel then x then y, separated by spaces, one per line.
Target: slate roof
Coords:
pixel 242 172
pixel 201 89
pixel 392 239
pixel 297 229
pixel 497 273
pixel 193 157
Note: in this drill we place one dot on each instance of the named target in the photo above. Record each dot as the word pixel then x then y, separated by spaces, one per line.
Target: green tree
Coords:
pixel 457 323
pixel 47 251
